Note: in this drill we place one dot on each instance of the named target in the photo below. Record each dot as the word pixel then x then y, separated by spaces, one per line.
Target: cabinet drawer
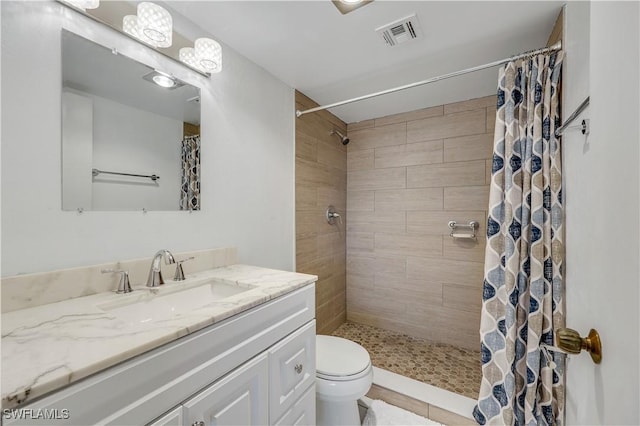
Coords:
pixel 240 398
pixel 292 368
pixel 303 412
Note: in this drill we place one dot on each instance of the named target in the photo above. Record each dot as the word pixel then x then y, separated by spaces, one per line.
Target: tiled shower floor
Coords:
pixel 448 367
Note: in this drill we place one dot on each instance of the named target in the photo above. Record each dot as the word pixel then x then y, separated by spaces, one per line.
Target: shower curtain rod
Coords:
pixel 556 46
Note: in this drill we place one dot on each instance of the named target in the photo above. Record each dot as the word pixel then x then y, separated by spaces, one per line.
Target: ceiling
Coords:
pixel 330 57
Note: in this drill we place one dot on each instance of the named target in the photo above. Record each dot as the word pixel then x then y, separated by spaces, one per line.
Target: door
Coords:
pixel 602 192
pixel 292 364
pixel 303 411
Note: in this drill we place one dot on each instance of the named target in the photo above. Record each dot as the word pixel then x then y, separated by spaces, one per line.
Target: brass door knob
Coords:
pixel 570 341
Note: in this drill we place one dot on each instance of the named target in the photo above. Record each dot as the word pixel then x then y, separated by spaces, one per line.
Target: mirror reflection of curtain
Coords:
pixel 190 185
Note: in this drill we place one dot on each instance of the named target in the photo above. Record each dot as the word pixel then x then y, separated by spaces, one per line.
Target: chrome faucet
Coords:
pixel 155 275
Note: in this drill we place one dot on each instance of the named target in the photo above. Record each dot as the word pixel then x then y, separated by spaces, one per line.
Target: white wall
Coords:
pixel 602 187
pixel 247 158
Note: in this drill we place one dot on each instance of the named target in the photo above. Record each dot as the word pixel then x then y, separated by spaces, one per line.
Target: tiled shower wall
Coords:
pixel 321 180
pixel 408 175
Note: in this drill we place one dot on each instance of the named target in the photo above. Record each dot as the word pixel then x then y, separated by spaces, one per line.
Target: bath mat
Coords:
pixel 382 414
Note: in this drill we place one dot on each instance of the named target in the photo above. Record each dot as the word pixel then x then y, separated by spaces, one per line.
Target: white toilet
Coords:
pixel 343 375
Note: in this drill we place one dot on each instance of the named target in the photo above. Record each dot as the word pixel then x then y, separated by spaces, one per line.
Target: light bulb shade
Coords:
pixel 130 26
pixel 155 23
pixel 188 56
pixel 208 54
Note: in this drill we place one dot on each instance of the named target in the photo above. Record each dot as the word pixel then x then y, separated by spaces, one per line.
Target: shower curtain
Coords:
pixel 190 185
pixel 523 284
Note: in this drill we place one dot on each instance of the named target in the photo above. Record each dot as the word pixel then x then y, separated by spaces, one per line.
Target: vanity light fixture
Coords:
pixel 188 56
pixel 152 24
pixel 155 23
pixel 84 4
pixel 130 26
pixel 208 54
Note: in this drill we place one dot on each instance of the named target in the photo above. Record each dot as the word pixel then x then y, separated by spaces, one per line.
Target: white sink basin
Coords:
pixel 170 300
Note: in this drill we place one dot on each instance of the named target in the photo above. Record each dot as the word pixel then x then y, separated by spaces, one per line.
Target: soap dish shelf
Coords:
pixel 465 231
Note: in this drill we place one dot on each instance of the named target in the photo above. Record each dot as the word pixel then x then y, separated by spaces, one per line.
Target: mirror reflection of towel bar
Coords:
pixel 469 230
pixel 96 172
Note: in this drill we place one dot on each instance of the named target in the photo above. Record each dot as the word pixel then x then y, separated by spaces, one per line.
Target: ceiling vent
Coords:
pixel 400 31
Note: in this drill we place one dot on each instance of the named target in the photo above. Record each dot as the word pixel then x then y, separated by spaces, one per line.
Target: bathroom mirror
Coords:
pixel 129 142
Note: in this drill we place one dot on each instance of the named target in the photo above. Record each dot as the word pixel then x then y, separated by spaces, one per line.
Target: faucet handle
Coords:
pixel 124 286
pixel 179 276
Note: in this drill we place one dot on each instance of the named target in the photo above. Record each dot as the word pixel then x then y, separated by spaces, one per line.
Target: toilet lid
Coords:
pixel 336 356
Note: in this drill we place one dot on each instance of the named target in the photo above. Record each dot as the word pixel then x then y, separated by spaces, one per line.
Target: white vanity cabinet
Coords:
pixel 255 368
pixel 275 387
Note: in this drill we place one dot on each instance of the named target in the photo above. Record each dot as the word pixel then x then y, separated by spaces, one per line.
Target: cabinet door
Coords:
pixel 240 398
pixel 303 412
pixel 172 418
pixel 292 365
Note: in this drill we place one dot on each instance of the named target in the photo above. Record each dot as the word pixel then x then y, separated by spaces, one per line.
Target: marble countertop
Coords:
pixel 47 347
